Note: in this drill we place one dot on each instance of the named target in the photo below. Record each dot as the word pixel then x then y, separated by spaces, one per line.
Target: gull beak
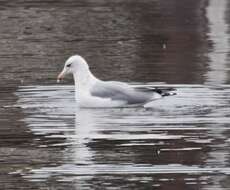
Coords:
pixel 61 76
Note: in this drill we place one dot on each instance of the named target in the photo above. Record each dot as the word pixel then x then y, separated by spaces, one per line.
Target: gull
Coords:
pixel 91 92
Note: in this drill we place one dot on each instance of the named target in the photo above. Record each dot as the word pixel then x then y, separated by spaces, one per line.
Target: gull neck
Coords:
pixel 84 79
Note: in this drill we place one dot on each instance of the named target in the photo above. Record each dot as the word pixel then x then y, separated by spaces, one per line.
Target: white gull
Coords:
pixel 92 92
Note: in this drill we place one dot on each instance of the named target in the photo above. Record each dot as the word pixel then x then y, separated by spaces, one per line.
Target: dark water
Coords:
pixel 181 142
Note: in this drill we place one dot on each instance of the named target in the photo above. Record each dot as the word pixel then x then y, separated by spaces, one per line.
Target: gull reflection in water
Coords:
pixel 84 133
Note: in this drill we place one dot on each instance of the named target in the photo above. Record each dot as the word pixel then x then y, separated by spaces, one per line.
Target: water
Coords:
pixel 178 142
pixel 181 140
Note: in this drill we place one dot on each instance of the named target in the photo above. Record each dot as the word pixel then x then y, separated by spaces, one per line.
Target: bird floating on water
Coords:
pixel 93 92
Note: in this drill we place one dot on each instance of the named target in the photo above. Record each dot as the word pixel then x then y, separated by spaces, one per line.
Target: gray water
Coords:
pixel 179 142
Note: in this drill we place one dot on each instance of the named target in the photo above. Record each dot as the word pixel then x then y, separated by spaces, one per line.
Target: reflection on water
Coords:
pixel 178 142
pixel 179 42
pixel 218 64
pixel 184 134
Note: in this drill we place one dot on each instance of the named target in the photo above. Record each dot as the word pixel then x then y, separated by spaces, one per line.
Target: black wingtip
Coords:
pixel 168 94
pixel 166 91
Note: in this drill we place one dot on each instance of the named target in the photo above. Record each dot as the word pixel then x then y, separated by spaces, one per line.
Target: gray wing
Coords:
pixel 121 91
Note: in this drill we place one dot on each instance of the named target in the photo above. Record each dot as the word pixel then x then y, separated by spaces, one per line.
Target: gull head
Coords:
pixel 74 64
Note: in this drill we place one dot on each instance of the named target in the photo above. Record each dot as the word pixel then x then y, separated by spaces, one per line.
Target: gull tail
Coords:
pixel 165 91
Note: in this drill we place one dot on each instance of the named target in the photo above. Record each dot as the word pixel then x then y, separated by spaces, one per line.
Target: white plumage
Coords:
pixel 92 92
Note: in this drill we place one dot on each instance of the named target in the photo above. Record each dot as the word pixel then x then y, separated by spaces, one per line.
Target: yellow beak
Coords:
pixel 61 76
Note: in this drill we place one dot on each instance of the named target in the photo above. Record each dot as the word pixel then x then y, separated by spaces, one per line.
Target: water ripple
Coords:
pixel 183 134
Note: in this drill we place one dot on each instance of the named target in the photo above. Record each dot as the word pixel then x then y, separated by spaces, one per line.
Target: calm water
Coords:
pixel 179 142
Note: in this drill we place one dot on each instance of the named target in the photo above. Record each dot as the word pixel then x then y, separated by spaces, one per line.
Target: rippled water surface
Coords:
pixel 176 143
pixel 181 140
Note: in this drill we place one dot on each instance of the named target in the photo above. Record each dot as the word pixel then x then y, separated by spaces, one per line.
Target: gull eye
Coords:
pixel 68 65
